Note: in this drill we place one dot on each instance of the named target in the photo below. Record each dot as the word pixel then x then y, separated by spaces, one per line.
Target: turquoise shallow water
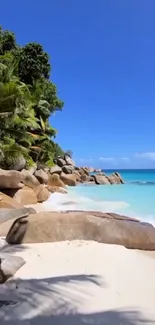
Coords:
pixel 136 198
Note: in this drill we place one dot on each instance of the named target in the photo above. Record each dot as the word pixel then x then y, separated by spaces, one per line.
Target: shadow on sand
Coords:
pixel 59 301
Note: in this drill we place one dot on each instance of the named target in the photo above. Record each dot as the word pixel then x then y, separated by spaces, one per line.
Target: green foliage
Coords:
pixel 33 63
pixel 7 41
pixel 27 99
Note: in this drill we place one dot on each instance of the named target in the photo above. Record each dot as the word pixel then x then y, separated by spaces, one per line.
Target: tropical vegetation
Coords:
pixel 27 99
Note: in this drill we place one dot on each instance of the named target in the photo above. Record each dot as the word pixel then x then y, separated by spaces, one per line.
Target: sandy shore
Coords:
pixel 75 283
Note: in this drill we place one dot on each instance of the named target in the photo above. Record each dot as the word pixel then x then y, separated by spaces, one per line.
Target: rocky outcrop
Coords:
pixel 69 161
pixel 26 195
pixel 55 170
pixel 72 225
pixel 10 179
pixel 42 176
pixel 101 180
pixel 29 179
pixel 115 178
pixel 68 179
pixel 8 202
pixel 41 193
pixel 9 265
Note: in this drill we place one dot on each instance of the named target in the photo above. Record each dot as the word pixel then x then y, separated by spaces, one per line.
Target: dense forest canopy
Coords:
pixel 27 99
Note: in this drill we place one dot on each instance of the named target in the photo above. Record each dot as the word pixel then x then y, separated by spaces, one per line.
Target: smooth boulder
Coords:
pixel 68 179
pixel 101 180
pixel 55 170
pixel 115 178
pixel 9 265
pixel 26 195
pixel 42 193
pixel 68 169
pixel 29 179
pixel 10 179
pixel 60 162
pixel 54 180
pixel 42 176
pixel 107 228
pixel 8 202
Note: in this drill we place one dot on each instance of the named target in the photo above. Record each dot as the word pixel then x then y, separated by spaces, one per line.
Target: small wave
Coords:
pixel 143 182
pixel 71 201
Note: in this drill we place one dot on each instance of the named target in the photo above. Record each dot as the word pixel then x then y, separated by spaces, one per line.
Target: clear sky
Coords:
pixel 103 62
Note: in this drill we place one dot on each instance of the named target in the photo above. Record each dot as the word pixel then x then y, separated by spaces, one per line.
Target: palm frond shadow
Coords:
pixel 59 300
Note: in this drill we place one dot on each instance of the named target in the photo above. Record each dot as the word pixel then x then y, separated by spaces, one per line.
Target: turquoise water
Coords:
pixel 136 198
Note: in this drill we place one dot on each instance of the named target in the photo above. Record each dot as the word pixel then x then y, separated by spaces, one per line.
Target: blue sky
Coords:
pixel 103 62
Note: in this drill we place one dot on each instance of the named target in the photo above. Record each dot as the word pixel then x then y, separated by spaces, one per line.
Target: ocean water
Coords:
pixel 136 198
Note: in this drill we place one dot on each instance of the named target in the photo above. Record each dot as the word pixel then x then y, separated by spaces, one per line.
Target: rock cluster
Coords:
pixel 33 186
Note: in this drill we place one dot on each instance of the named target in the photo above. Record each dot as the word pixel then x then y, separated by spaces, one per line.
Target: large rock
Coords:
pixel 120 178
pixel 42 193
pixel 115 178
pixel 26 195
pixel 41 176
pixel 8 202
pixel 10 179
pixel 69 179
pixel 29 179
pixel 74 225
pixel 68 169
pixel 7 214
pixel 55 170
pixel 68 160
pixel 9 265
pixel 86 178
pixel 101 180
pixel 83 171
pixel 60 162
pixel 54 180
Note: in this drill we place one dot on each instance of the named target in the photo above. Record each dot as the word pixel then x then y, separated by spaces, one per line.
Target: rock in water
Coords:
pixel 101 180
pixel 9 265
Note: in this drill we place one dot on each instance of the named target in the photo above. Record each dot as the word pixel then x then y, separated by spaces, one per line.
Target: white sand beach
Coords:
pixel 75 283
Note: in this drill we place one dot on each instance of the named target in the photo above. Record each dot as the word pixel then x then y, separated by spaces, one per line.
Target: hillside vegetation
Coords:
pixel 27 99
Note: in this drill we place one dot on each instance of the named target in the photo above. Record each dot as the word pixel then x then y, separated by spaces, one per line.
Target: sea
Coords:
pixel 136 198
